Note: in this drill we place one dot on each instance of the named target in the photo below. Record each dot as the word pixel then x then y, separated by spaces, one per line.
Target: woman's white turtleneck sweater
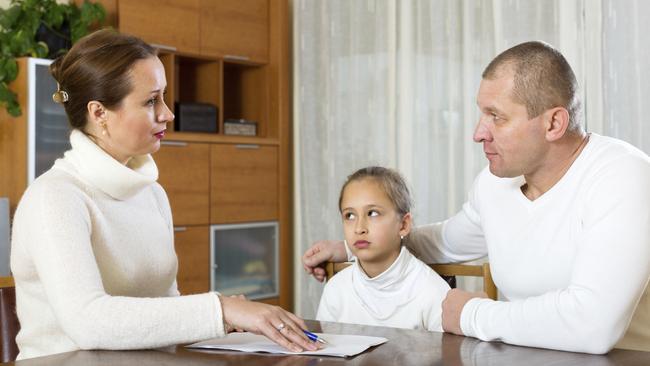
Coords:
pixel 408 294
pixel 93 259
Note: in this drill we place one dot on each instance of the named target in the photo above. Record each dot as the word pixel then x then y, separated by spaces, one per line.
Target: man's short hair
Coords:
pixel 543 79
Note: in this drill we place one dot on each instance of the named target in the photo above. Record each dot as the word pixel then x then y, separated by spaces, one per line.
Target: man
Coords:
pixel 563 215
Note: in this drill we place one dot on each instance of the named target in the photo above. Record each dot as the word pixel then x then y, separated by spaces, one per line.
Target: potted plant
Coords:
pixel 39 28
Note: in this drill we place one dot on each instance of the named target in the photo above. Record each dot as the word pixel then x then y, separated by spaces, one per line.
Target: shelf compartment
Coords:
pixel 197 79
pixel 246 94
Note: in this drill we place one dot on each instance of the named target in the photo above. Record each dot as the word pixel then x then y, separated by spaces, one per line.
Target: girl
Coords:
pixel 386 285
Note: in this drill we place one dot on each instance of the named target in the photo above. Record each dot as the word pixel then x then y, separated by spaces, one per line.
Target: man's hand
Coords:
pixel 452 307
pixel 321 252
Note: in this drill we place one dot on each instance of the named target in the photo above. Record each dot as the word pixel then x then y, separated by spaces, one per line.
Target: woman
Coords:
pixel 92 250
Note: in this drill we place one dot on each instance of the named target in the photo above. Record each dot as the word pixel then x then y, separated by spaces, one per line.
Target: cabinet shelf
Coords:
pixel 218 138
pixel 239 89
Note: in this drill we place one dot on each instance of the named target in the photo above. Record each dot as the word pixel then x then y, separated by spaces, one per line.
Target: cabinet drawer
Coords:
pixel 235 28
pixel 184 173
pixel 173 23
pixel 192 245
pixel 243 183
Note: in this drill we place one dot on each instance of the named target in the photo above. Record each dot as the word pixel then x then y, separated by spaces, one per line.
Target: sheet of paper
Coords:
pixel 338 345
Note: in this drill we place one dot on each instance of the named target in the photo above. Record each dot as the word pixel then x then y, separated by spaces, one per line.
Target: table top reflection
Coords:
pixel 404 347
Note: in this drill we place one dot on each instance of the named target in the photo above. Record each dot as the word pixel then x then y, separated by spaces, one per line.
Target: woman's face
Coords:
pixel 138 125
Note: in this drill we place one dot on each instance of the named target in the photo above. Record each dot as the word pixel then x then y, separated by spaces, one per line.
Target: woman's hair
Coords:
pixel 97 68
pixel 391 182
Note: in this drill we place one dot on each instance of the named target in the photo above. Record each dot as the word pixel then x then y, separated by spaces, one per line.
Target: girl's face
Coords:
pixel 138 125
pixel 372 225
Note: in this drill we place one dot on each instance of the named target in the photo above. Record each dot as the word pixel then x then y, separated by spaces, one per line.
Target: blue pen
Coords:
pixel 313 337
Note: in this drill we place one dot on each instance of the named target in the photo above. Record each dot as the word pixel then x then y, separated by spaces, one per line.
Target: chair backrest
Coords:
pixel 9 325
pixel 444 270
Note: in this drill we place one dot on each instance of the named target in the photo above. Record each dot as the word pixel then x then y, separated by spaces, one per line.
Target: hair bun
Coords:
pixel 55 68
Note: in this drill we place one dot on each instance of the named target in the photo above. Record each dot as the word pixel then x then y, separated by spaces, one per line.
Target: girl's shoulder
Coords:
pixel 427 277
pixel 342 278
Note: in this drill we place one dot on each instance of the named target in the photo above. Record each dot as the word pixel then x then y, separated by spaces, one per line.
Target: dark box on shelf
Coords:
pixel 196 117
pixel 240 127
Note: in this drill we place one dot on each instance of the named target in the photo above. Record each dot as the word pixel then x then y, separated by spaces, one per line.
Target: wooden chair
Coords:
pixel 446 271
pixel 9 324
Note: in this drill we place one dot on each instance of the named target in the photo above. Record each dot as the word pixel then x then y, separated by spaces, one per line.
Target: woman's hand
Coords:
pixel 277 324
pixel 320 252
pixel 227 327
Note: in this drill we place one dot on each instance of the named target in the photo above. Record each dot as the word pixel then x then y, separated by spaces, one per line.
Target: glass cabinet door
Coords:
pixel 245 259
pixel 49 131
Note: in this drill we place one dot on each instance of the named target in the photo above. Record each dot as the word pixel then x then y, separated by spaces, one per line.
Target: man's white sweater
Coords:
pixel 93 260
pixel 574 263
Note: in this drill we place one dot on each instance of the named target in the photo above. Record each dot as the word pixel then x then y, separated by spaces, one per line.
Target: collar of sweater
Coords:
pixel 384 294
pixel 101 170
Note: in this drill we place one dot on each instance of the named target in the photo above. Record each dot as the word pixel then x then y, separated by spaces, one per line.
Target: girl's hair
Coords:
pixel 391 182
pixel 97 68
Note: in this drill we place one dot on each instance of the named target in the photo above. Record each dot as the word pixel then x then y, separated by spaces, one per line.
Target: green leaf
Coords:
pixel 11 69
pixel 6 95
pixel 41 49
pixel 14 109
pixel 10 17
pixel 21 43
pixel 55 16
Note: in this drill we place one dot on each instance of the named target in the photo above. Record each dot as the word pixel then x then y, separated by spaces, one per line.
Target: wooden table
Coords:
pixel 404 347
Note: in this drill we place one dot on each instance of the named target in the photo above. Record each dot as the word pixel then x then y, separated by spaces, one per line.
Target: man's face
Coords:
pixel 513 143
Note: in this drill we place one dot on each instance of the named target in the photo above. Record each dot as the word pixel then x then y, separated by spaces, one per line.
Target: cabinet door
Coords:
pixel 235 28
pixel 183 170
pixel 192 245
pixel 173 23
pixel 244 183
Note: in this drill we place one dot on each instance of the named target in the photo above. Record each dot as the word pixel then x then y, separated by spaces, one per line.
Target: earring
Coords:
pixel 401 237
pixel 103 126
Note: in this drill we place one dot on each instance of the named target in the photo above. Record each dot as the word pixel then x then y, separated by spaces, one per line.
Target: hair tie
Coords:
pixel 60 96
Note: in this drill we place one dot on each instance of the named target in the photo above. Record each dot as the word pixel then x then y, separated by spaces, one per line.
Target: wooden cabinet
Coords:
pixel 243 183
pixel 231 29
pixel 172 23
pixel 235 29
pixel 184 174
pixel 192 245
pixel 235 55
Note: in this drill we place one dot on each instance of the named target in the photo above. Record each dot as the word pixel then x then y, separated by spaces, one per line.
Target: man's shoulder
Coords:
pixel 615 148
pixel 612 154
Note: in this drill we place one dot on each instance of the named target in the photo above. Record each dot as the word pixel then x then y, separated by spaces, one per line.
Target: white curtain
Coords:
pixel 394 83
pixel 626 70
